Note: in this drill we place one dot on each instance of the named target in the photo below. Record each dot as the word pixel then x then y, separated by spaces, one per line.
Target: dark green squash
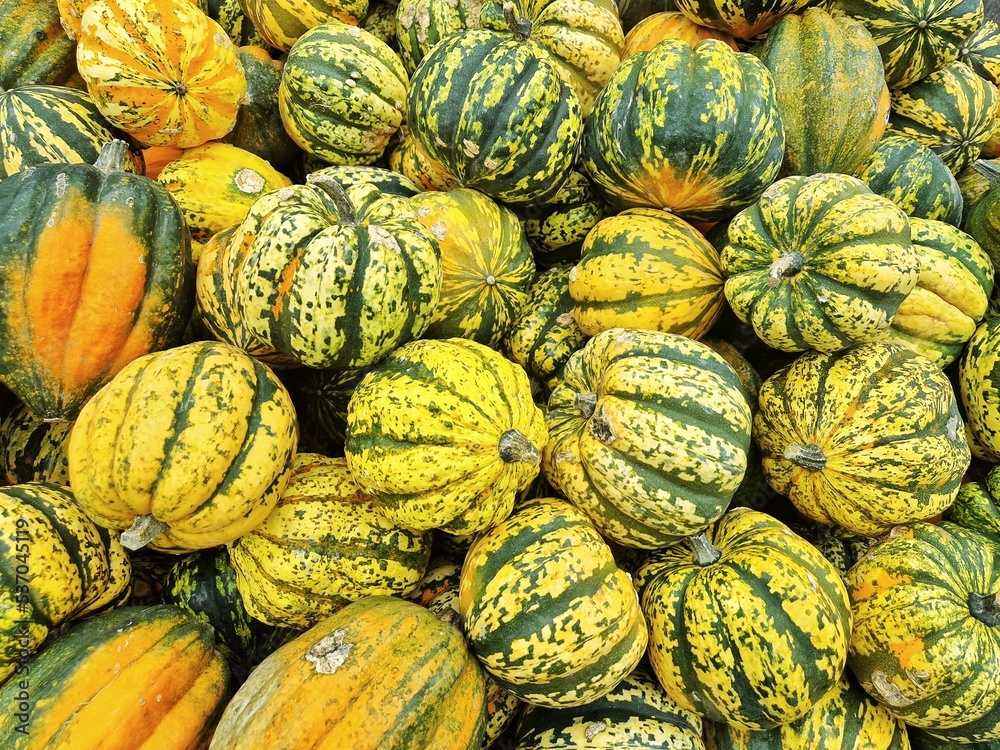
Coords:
pixel 33 47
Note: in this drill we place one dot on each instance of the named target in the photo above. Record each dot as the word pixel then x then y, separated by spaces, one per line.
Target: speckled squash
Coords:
pixel 96 271
pixel 647 269
pixel 324 545
pixel 649 435
pixel 342 94
pixel 321 398
pixel 714 153
pixel 282 22
pixel 55 565
pixel 381 673
pixel 915 37
pixel 830 90
pixel 545 608
pixel 636 715
pixel 982 218
pixel 411 160
pixel 669 25
pixel 978 372
pixel 36 51
pixel 951 296
pixel 920 740
pixel 865 439
pixel 748 624
pixel 749 377
pixel 952 112
pixel 914 178
pixel 444 434
pixel 187 88
pixel 237 25
pixel 975 507
pixel 190 447
pixel 975 182
pixel 486 264
pixel 981 51
pixel 421 24
pixel 843 719
pixel 633 11
pixel 841 547
pixel 923 601
pixel 380 21
pixel 136 676
pixel 33 450
pixel 819 262
pixel 386 180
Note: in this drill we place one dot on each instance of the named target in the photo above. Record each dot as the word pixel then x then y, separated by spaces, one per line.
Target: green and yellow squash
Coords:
pixel 380 21
pixel 188 448
pixel 381 673
pixel 444 434
pixel 693 130
pixel 33 450
pixel 981 51
pixel 237 24
pixel 36 51
pixel 95 270
pixel 841 547
pixel 975 507
pixel 282 22
pixel 411 160
pixel 865 439
pixel 924 602
pixel 546 610
pixel 978 374
pixel 920 740
pixel 744 20
pixel 421 24
pixel 749 377
pixel 138 676
pixel 321 398
pixel 820 262
pixel 982 217
pixel 386 180
pixel 669 25
pixel 748 623
pixel 649 435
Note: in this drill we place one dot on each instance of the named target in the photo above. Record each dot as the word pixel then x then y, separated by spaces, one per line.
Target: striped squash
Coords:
pixel 914 178
pixel 55 125
pixel 952 112
pixel 978 371
pixel 163 88
pixel 342 94
pixel 94 270
pixel 493 109
pixel 421 24
pixel 749 377
pixel 55 567
pixel 843 719
pixel 321 398
pixel 546 610
pixel 386 180
pixel 693 130
pixel 975 507
pixel 486 264
pixel 669 25
pixel 841 547
pixel 190 447
pixel 648 435
pixel 865 439
pixel 237 24
pixel 819 262
pixel 744 20
pixel 33 450
pixel 636 715
pixel 381 673
pixel 981 51
pixel 748 624
pixel 830 90
pixel 282 22
pixel 380 21
pixel 410 159
pixel 36 51
pixel 975 182
pixel 920 740
pixel 647 269
pixel 444 434
pixel 915 37
pixel 136 676
pixel 324 545
pixel 982 218
pixel 951 296
pixel 924 601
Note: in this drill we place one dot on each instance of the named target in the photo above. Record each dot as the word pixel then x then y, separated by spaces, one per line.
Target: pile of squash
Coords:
pixel 456 374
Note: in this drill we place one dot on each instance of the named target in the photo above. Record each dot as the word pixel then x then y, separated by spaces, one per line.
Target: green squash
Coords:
pixel 978 373
pixel 841 547
pixel 981 51
pixel 975 507
pixel 237 24
pixel 321 398
pixel 421 24
pixel 633 11
pixel 281 24
pixel 33 450
pixel 982 219
pixel 748 19
pixel 389 182
pixel 36 50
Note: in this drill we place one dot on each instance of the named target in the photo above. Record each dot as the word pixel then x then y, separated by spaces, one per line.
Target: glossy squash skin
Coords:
pixel 444 434
pixel 382 673
pixel 865 439
pixel 978 368
pixel 981 51
pixel 749 624
pixel 104 279
pixel 669 25
pixel 975 507
pixel 282 22
pixel 36 51
pixel 421 24
pixel 33 450
pixel 982 217
pixel 138 676
pixel 199 438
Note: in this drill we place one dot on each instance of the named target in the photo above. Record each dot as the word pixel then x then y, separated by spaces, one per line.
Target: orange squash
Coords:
pixel 669 25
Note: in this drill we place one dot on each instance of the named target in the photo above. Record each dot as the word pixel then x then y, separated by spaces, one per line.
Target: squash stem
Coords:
pixel 809 456
pixel 515 447
pixel 337 194
pixel 705 553
pixel 143 530
pixel 112 157
pixel 985 608
pixel 519 25
pixel 601 427
pixel 585 403
pixel 789 264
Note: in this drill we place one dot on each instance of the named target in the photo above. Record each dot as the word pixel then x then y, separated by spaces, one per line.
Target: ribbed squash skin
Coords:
pixel 421 24
pixel 649 463
pixel 923 602
pixel 444 434
pixel 742 20
pixel 342 94
pixel 981 51
pixel 694 130
pixel 951 296
pixel 54 566
pixel 237 25
pixel 160 87
pixel 36 51
pixel 669 25
pixel 324 545
pixel 952 112
pixel 911 52
pixel 55 125
pixel 841 547
pixel 914 178
pixel 753 638
pixel 382 674
pixel 105 278
pixel 819 262
pixel 33 450
pixel 282 22
pixel 135 677
pixel 843 719
pixel 486 264
pixel 389 182
pixel 982 220
pixel 545 608
pixel 979 368
pixel 975 507
pixel 496 114
pixel 647 269
pixel 865 439
pixel 830 91
pixel 200 437
pixel 636 715
pixel 633 11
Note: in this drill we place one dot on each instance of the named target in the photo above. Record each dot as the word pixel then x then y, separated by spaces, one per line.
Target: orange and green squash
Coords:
pixel 410 159
pixel 744 20
pixel 35 49
pixel 669 25
pixel 282 22
pixel 33 450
